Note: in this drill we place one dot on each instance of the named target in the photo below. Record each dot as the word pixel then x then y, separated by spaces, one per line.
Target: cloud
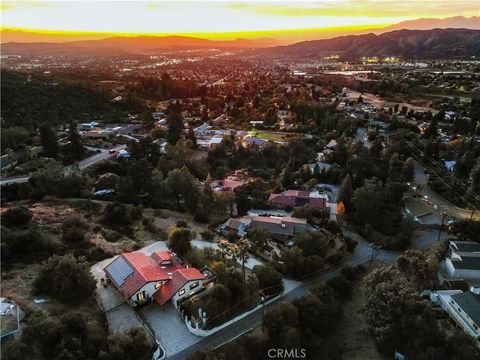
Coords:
pixel 363 8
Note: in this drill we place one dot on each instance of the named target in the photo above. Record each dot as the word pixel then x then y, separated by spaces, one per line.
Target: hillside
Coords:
pixel 436 43
pixel 136 45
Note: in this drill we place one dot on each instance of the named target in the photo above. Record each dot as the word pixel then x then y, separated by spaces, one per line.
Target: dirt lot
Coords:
pixel 419 105
pixel 53 215
pixel 352 333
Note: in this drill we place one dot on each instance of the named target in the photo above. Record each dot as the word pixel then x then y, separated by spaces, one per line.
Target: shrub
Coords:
pixel 200 216
pixel 207 235
pixel 117 214
pixel 73 235
pixel 182 224
pixel 17 216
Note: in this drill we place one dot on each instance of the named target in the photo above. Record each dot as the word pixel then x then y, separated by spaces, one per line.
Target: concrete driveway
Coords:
pixel 120 316
pixel 168 327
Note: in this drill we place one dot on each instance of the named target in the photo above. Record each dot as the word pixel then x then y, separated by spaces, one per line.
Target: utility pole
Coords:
pixel 444 213
pixel 263 306
pixel 375 251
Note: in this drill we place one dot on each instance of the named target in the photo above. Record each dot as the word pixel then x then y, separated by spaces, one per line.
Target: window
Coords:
pixel 157 285
pixel 181 292
pixel 194 285
pixel 141 296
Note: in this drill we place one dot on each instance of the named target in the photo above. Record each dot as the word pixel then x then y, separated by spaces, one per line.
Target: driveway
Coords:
pixel 120 316
pixel 168 327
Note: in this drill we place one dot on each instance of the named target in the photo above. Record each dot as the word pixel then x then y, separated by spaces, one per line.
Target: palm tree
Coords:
pixel 243 246
pixel 223 246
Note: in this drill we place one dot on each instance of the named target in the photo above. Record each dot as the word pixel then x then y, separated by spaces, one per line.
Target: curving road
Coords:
pixel 453 210
pixel 362 255
pixel 91 160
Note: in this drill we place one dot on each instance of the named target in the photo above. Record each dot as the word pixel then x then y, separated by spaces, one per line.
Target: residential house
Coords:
pixel 297 198
pixel 203 130
pixel 251 141
pixel 214 141
pixel 10 317
pixel 281 229
pixel 463 307
pixel 321 166
pixel 463 261
pixel 141 278
pixel 231 182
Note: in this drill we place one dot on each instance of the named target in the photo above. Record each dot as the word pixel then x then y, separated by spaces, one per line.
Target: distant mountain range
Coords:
pixel 436 43
pixel 136 45
pixel 266 38
pixel 455 22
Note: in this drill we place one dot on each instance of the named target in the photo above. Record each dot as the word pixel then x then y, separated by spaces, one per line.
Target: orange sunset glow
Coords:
pixel 74 20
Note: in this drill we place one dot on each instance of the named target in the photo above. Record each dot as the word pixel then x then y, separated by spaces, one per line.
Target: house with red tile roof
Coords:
pixel 231 182
pixel 297 198
pixel 141 278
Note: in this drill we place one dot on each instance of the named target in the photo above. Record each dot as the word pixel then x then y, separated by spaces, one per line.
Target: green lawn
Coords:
pixel 272 136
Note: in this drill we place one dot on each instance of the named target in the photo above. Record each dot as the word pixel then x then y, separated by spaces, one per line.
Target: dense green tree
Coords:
pixel 66 278
pixel 49 141
pixel 179 240
pixel 258 238
pixel 269 280
pixel 313 243
pixel 408 170
pixel 134 344
pixel 279 320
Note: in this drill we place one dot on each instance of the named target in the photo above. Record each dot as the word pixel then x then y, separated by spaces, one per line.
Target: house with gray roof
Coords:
pixel 463 307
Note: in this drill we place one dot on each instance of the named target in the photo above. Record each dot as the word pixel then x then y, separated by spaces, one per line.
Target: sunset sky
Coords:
pixel 216 18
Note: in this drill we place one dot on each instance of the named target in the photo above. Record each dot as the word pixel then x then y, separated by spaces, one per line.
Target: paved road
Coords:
pixel 91 160
pixel 362 255
pixel 254 320
pixel 453 210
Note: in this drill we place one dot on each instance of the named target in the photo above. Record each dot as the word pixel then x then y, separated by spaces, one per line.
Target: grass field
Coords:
pixel 273 135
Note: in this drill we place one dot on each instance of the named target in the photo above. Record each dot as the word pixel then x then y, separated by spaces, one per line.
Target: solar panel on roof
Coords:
pixel 119 270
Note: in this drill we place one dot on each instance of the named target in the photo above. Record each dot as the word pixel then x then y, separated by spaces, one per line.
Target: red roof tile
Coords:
pixel 145 270
pixel 161 256
pixel 179 279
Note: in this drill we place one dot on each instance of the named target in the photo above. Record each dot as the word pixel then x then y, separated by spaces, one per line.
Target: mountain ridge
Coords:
pixel 435 43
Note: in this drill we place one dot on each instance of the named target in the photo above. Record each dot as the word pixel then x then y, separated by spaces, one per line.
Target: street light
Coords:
pixel 444 213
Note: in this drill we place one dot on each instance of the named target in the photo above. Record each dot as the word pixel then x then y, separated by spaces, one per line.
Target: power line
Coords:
pixel 462 196
pixel 271 287
pixel 443 170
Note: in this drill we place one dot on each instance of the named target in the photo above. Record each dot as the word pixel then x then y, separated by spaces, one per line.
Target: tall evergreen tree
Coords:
pixel 175 127
pixel 75 147
pixel 345 193
pixel 48 139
